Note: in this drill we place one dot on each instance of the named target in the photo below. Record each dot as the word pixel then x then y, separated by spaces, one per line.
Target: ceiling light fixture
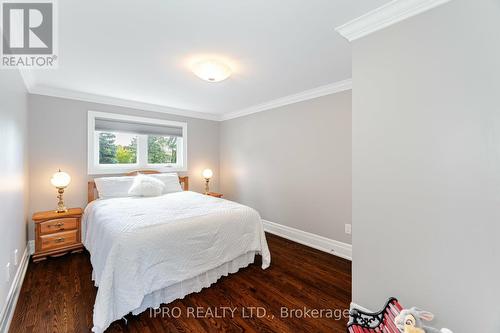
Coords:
pixel 211 70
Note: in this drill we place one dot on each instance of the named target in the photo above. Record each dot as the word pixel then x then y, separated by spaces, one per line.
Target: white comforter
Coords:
pixel 141 245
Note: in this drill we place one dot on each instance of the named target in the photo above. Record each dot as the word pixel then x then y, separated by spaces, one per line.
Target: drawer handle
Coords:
pixel 59 224
pixel 59 240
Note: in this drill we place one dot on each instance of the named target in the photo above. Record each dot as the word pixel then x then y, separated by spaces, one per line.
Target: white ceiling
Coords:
pixel 141 50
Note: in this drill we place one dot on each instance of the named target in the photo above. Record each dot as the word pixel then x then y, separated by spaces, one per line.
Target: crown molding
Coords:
pixel 102 99
pixel 384 16
pixel 291 99
pixel 34 89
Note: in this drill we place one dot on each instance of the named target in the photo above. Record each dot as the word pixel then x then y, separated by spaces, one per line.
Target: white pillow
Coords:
pixel 113 187
pixel 146 186
pixel 170 180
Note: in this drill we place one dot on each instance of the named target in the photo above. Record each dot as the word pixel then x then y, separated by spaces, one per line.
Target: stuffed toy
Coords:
pixel 411 321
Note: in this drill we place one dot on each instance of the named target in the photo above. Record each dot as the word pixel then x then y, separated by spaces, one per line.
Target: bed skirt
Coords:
pixel 195 284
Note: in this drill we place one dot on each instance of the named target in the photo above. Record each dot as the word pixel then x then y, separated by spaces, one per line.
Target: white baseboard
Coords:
pixel 15 288
pixel 321 243
pixel 31 247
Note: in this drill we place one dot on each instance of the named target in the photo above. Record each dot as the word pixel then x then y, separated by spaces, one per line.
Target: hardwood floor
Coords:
pixel 58 296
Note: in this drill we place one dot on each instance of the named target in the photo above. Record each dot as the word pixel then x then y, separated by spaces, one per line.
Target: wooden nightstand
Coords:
pixel 57 233
pixel 214 194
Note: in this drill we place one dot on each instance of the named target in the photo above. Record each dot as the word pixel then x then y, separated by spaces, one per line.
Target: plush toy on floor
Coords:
pixel 411 321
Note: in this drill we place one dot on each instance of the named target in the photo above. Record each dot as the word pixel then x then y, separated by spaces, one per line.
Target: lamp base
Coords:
pixel 207 180
pixel 60 205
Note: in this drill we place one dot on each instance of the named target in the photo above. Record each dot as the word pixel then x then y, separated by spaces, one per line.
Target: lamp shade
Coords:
pixel 207 173
pixel 60 179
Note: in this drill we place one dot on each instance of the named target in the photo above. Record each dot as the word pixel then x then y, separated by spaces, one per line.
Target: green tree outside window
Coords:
pixel 111 153
pixel 162 149
pixel 107 148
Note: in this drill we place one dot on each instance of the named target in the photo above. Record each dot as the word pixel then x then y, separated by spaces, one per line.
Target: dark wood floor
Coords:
pixel 58 296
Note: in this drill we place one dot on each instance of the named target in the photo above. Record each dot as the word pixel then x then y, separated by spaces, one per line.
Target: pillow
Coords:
pixel 170 180
pixel 146 186
pixel 113 187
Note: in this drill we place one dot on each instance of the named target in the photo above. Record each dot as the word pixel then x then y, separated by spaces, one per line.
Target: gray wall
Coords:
pixel 293 164
pixel 58 139
pixel 426 165
pixel 13 174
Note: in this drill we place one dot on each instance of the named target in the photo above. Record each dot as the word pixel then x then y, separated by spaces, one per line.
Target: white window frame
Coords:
pixel 93 166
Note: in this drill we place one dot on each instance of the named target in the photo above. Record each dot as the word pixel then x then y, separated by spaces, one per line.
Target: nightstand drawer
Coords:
pixel 58 225
pixel 60 239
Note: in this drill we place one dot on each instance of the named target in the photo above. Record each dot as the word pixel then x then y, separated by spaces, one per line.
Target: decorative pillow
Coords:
pixel 113 187
pixel 146 186
pixel 170 180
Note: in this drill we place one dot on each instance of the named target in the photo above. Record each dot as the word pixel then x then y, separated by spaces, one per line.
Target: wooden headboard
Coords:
pixel 92 191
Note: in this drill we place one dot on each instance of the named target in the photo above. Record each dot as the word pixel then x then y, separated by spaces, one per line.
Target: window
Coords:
pixel 119 143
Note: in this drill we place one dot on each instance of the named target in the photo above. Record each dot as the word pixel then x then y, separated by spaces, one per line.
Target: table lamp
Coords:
pixel 207 174
pixel 60 180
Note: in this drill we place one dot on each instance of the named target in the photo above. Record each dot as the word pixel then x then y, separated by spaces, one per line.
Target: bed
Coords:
pixel 146 251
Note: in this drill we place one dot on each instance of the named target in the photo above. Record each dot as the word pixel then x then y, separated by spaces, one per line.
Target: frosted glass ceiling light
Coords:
pixel 211 71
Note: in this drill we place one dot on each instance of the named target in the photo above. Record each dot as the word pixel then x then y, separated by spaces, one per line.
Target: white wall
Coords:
pixel 293 164
pixel 426 165
pixel 13 175
pixel 58 139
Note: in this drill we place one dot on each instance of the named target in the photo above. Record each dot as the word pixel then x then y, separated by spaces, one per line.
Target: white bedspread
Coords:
pixel 141 245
